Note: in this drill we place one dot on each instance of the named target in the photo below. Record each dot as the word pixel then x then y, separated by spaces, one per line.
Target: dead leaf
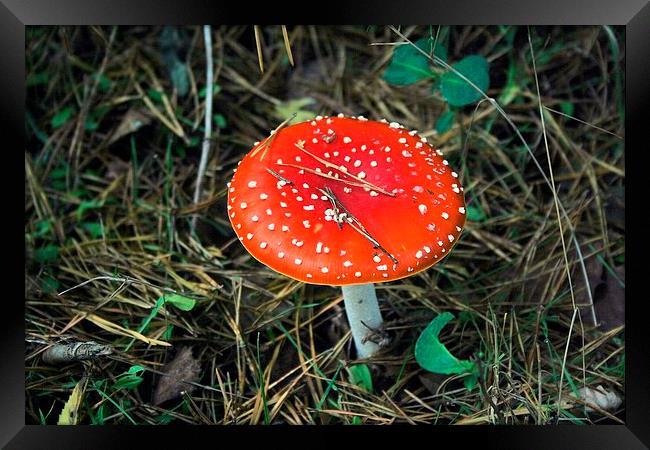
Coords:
pixel 179 371
pixel 609 300
pixel 607 292
pixel 70 413
pixel 132 121
pixel 600 397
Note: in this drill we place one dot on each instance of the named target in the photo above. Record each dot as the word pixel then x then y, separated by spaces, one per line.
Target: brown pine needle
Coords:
pixel 287 44
pixel 258 44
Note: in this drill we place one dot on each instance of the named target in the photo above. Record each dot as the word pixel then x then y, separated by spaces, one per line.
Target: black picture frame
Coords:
pixel 633 14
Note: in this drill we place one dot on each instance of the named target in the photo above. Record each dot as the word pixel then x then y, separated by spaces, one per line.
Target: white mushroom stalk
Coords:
pixel 364 317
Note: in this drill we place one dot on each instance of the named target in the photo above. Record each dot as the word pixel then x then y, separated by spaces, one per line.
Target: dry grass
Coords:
pixel 106 200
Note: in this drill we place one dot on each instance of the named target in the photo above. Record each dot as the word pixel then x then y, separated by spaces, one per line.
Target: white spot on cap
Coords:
pixel 418 254
pixel 461 210
pixel 357 163
pixel 306 223
pixel 361 174
pixel 324 269
pixel 271 226
pixel 445 215
pixel 255 218
pixel 280 255
pixel 263 196
pixel 297 261
pixel 252 184
pixel 357 274
pixel 347 140
pixel 423 209
pixel 308 207
pixel 319 247
pixel 249 236
pixel 382 267
pixel 347 263
pixel 243 205
pixel 406 154
pixel 285 228
pixel 263 244
pixel 376 258
pixel 402 140
pixel 450 237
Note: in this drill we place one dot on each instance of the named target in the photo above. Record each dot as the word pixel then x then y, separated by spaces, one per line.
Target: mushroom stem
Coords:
pixel 364 316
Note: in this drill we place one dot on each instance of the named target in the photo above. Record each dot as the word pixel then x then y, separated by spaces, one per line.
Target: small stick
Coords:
pixel 271 137
pixel 329 165
pixel 279 177
pixel 75 351
pixel 205 149
pixel 356 224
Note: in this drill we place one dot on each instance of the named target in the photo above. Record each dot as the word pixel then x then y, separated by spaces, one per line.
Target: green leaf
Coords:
pixel 286 109
pixel 360 376
pixel 511 89
pixel 456 90
pixel 567 108
pixel 44 228
pixel 408 65
pixel 95 229
pixel 104 83
pixel 62 117
pixel 88 204
pixel 34 79
pixel 135 369
pixel 49 285
pixel 46 254
pixel 445 122
pixel 433 356
pixel 128 382
pixel 155 95
pixel 215 90
pixel 475 213
pixel 180 79
pixel 129 379
pixel 182 303
pixel 220 121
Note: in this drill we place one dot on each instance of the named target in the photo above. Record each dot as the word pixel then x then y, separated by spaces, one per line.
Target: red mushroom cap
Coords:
pixel 340 200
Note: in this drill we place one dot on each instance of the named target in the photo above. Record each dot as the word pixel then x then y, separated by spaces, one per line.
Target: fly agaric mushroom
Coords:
pixel 348 202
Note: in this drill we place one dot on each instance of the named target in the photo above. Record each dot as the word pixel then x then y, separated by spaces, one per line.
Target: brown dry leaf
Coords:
pixel 133 120
pixel 608 294
pixel 609 300
pixel 179 371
